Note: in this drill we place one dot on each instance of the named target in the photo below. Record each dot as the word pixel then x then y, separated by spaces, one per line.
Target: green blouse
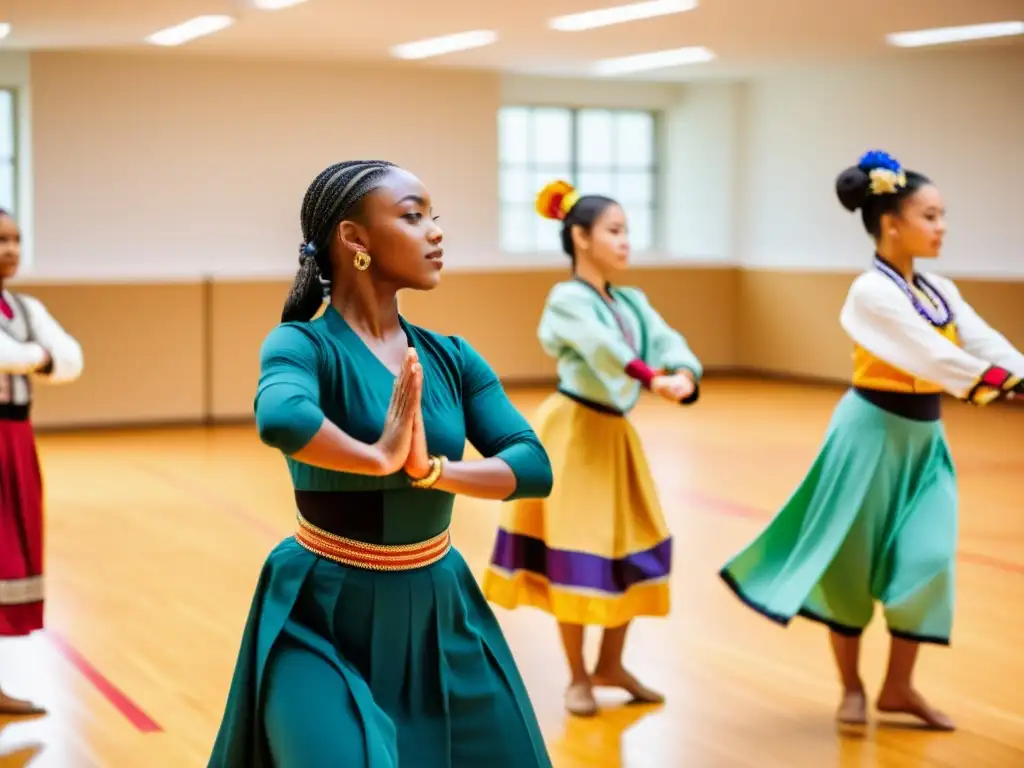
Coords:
pixel 598 347
pixel 321 369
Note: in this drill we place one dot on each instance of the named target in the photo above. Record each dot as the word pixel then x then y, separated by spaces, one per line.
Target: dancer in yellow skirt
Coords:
pixel 597 551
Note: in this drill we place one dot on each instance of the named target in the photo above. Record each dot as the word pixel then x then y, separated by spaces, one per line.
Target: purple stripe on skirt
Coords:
pixel 514 552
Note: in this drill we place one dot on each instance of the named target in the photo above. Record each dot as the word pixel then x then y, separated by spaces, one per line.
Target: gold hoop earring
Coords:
pixel 362 261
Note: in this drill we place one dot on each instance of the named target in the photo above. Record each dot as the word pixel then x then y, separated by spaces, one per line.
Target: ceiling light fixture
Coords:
pixel 275 5
pixel 657 60
pixel 190 30
pixel 5 30
pixel 944 35
pixel 620 14
pixel 438 46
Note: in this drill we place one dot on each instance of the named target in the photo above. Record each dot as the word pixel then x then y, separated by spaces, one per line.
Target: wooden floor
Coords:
pixel 155 539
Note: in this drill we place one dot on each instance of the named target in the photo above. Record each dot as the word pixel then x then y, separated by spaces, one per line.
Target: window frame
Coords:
pixel 655 169
pixel 15 158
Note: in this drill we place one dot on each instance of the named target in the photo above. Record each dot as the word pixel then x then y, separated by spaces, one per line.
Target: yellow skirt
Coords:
pixel 597 550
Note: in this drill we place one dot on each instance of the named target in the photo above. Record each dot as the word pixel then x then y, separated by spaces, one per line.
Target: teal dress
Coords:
pixel 344 667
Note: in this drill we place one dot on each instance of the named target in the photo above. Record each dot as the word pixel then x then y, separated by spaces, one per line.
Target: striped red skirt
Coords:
pixel 21 530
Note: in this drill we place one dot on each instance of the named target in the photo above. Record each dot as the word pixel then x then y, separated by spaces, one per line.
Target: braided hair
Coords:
pixel 334 196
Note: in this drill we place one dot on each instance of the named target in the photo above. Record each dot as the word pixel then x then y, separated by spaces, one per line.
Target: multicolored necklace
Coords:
pixel 936 310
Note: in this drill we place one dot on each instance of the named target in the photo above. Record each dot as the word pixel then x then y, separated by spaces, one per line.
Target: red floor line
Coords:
pixel 117 698
pixel 734 509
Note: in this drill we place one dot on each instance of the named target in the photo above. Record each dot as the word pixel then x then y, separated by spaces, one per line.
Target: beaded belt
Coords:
pixel 375 557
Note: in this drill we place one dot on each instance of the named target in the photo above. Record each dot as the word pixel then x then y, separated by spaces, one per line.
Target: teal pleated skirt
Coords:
pixel 874 521
pixel 343 667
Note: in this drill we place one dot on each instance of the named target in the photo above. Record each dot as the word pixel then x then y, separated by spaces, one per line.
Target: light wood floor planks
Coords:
pixel 155 540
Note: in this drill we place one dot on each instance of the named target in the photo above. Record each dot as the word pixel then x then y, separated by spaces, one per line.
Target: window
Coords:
pixel 600 151
pixel 8 151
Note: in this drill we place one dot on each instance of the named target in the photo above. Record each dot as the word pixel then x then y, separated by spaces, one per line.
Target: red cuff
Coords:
pixel 996 377
pixel 639 370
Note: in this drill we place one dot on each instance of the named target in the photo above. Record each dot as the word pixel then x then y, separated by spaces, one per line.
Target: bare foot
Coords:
pixel 853 709
pixel 579 700
pixel 910 702
pixel 620 678
pixel 12 706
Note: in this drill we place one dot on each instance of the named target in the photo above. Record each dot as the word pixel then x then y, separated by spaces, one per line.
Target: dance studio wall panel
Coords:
pixel 189 351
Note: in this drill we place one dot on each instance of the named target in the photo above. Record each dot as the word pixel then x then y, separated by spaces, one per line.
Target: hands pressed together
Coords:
pixel 403 443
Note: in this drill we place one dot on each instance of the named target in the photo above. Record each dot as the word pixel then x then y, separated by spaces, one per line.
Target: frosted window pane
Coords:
pixel 6 125
pixel 517 228
pixel 634 139
pixel 7 186
pixel 596 183
pixel 594 132
pixel 513 135
pixel 549 235
pixel 633 187
pixel 552 137
pixel 515 186
pixel 641 227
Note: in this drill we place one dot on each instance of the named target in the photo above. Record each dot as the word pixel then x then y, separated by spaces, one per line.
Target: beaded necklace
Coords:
pixel 936 311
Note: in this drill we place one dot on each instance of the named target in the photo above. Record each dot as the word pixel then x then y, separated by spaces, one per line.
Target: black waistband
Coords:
pixel 357 515
pixel 910 405
pixel 11 412
pixel 600 407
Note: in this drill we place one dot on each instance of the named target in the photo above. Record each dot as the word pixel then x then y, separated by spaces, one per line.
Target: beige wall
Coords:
pixel 160 196
pixel 188 352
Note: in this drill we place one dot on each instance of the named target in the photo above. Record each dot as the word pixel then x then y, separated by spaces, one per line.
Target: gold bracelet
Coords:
pixel 433 475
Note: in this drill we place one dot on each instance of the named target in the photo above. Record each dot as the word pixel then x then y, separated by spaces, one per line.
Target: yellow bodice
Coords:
pixel 870 372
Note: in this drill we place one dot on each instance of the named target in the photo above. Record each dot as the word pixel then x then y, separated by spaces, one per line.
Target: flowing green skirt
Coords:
pixel 342 667
pixel 875 519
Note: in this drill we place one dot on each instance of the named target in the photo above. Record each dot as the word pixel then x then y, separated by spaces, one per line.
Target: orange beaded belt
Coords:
pixel 375 557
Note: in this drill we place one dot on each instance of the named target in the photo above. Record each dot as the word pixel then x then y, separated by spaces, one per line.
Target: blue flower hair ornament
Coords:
pixel 876 158
pixel 884 172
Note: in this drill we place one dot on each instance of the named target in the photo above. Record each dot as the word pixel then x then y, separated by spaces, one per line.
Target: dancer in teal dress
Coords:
pixel 876 517
pixel 369 643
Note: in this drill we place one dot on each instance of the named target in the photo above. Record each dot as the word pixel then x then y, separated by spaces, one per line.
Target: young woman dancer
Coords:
pixel 32 344
pixel 598 551
pixel 369 644
pixel 876 517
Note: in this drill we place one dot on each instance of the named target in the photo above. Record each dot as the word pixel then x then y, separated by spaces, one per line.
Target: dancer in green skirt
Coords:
pixel 369 644
pixel 875 519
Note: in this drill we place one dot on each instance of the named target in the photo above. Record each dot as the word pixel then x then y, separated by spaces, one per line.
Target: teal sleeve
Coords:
pixel 287 403
pixel 667 348
pixel 571 322
pixel 497 429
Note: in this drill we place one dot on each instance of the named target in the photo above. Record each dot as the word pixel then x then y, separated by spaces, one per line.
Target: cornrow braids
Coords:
pixel 334 196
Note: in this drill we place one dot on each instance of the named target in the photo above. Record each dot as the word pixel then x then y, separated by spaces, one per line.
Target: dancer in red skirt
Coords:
pixel 31 344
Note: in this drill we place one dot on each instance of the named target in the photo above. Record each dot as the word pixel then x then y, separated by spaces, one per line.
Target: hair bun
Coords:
pixel 556 199
pixel 853 187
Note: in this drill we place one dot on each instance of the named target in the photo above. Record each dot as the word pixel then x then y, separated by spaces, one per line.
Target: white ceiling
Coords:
pixel 746 35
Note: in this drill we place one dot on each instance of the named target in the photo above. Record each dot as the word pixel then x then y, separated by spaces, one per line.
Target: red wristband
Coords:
pixel 639 370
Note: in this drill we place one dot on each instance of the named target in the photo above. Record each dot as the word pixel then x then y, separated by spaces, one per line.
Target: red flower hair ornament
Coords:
pixel 556 200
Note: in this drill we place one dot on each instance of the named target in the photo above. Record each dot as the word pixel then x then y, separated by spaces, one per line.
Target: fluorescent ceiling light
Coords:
pixel 657 60
pixel 5 30
pixel 275 5
pixel 191 29
pixel 620 14
pixel 943 35
pixel 438 46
